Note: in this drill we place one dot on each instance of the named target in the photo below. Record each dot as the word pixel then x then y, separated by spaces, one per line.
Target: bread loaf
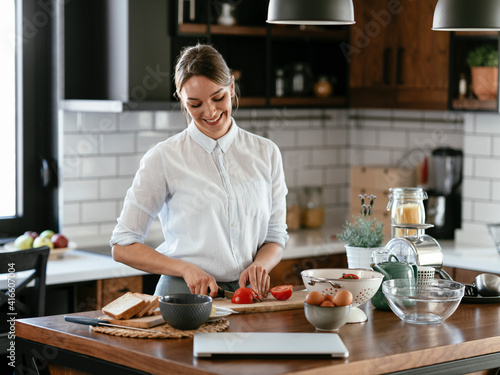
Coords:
pixel 124 307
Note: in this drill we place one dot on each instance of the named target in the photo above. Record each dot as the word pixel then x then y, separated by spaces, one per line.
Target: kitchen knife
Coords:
pixel 221 293
pixel 101 323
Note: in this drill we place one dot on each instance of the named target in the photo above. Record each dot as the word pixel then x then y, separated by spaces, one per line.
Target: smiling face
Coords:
pixel 208 104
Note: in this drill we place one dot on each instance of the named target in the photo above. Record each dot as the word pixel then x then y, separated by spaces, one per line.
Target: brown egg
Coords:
pixel 314 298
pixel 342 298
pixel 327 304
pixel 329 297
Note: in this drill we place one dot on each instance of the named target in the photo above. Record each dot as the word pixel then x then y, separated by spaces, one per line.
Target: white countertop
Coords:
pixel 77 265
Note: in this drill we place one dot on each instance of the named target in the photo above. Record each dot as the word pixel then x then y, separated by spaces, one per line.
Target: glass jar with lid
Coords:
pixel 407 207
pixel 293 210
pixel 313 212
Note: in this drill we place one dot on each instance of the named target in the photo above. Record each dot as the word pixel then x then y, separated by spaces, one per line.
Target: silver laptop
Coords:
pixel 206 344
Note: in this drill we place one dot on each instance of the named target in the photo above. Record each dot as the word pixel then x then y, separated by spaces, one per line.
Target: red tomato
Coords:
pixel 243 295
pixel 282 292
pixel 349 276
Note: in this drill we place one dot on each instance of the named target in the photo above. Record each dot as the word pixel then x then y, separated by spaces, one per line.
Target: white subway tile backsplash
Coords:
pixel 477 145
pixel 496 146
pixel 70 213
pixel 325 156
pixel 310 138
pixel 488 123
pixel 131 120
pixel 282 138
pixel 467 210
pixel 337 176
pixel 476 189
pixel 495 190
pixel 118 143
pixel 170 120
pixel 96 212
pixel 128 165
pixel 295 159
pixel 147 140
pixel 486 212
pixel 99 122
pixel 81 144
pixel 71 121
pixel 104 166
pixel 392 139
pixel 376 157
pixel 337 137
pixel 114 188
pixel 310 177
pixel 469 167
pixel 80 190
pixel 487 168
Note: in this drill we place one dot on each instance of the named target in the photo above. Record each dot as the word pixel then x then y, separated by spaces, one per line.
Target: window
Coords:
pixel 7 109
pixel 28 122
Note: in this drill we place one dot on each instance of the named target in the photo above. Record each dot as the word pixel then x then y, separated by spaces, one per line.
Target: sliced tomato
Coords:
pixel 349 276
pixel 244 296
pixel 282 292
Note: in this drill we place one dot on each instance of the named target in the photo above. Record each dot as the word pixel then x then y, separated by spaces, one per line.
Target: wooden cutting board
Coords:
pixel 144 322
pixel 296 301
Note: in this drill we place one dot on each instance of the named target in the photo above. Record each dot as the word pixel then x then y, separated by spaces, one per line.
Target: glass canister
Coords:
pixel 407 207
pixel 293 210
pixel 313 212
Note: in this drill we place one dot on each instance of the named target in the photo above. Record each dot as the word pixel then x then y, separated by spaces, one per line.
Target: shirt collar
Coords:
pixel 207 143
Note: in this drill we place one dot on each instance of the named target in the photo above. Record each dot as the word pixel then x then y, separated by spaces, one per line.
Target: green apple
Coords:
pixel 23 242
pixel 47 233
pixel 43 241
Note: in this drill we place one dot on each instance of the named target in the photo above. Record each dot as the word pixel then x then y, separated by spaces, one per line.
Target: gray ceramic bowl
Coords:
pixel 185 311
pixel 327 318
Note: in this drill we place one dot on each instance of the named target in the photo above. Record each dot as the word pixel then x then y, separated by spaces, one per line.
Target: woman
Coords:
pixel 218 190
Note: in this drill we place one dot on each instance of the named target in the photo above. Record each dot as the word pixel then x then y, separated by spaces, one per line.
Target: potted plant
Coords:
pixel 362 236
pixel 483 62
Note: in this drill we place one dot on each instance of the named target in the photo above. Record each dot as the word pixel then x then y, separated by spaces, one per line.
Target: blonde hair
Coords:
pixel 203 60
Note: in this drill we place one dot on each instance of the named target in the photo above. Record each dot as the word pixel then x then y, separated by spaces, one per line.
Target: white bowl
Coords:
pixel 431 302
pixel 326 318
pixel 328 281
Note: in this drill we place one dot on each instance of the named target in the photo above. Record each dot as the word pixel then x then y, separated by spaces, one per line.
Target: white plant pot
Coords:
pixel 360 257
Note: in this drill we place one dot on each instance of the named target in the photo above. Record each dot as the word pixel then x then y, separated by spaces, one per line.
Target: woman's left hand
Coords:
pixel 258 278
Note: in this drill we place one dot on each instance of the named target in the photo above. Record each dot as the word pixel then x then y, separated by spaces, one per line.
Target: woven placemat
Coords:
pixel 164 331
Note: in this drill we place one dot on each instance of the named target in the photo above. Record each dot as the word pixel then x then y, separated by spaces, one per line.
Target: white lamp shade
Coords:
pixel 311 12
pixel 467 15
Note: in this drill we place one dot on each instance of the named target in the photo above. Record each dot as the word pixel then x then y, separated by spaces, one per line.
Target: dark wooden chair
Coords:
pixel 33 265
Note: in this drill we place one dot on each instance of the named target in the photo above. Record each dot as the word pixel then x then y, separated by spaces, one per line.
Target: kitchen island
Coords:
pixel 468 341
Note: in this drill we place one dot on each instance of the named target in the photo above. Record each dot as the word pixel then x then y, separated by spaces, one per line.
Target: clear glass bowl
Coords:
pixel 431 302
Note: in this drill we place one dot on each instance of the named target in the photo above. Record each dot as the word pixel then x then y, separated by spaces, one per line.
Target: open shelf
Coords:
pixel 475 104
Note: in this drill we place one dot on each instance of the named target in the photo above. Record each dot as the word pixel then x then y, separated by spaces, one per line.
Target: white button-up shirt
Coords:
pixel 218 201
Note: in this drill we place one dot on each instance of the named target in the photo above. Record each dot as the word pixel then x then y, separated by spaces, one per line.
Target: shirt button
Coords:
pixel 234 248
pixel 232 197
pixel 233 225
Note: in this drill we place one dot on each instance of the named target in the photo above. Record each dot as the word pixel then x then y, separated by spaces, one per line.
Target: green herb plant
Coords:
pixel 485 55
pixel 364 231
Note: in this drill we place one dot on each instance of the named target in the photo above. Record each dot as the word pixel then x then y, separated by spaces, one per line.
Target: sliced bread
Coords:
pixel 124 307
pixel 151 304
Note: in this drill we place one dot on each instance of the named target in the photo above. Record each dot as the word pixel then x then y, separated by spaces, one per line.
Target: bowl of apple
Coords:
pixel 57 242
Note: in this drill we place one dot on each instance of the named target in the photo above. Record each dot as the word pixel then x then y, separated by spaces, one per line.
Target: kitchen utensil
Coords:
pixel 185 311
pixel 421 249
pixel 470 291
pixel 488 285
pixel 429 303
pixel 494 229
pixel 392 269
pixel 325 318
pixel 328 281
pixel 101 323
pixel 206 344
pixel 296 301
pixel 424 274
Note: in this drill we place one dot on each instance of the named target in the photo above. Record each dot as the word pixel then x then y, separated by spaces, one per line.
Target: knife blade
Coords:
pixel 101 323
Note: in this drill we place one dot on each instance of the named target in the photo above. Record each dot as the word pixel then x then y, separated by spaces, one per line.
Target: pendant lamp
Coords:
pixel 467 15
pixel 311 12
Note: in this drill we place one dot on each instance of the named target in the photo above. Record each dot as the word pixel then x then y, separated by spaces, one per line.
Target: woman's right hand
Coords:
pixel 200 282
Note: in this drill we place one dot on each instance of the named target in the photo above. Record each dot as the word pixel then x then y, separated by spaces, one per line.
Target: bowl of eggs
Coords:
pixel 327 312
pixel 362 283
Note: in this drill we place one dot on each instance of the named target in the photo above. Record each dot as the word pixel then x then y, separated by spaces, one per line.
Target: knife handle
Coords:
pixel 83 320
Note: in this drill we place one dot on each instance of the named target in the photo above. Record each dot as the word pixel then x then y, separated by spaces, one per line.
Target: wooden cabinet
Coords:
pixel 377 181
pixel 397 61
pixel 255 50
pixel 288 270
pixel 462 42
pixel 462 275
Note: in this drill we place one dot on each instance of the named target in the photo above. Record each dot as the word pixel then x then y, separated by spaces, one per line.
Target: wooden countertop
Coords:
pixel 384 344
